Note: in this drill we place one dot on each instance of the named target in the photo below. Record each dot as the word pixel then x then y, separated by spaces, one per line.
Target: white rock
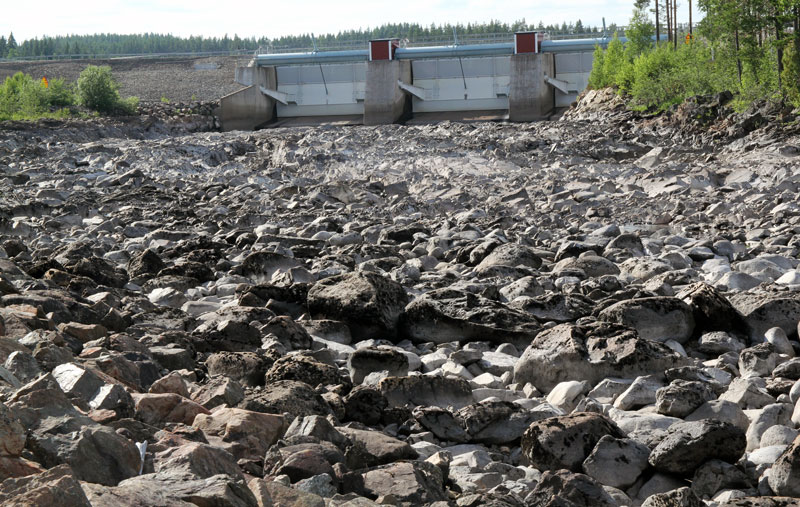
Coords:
pixel 566 395
pixel 777 337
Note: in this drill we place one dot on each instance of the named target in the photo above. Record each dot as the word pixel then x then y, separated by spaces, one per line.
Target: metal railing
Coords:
pixel 114 56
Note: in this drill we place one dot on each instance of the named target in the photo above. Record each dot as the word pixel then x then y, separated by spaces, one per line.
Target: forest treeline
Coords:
pixel 151 43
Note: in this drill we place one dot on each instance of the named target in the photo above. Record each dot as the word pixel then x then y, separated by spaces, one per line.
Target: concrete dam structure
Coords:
pixel 523 80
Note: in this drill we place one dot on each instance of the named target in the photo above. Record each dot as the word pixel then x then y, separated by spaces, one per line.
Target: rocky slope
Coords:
pixel 593 311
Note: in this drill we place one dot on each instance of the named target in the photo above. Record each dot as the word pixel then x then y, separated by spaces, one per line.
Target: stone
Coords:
pixel 688 445
pixel 616 462
pixel 173 490
pixel 680 398
pixel 380 449
pixel 249 434
pixel 712 311
pixel 784 477
pixel 447 315
pixel 411 482
pixel 715 475
pixel 248 368
pixel 565 442
pixel 563 487
pixel 366 360
pixel 296 398
pixel 640 393
pixel 592 353
pixel 196 460
pixel 369 303
pixel 426 390
pixel 77 381
pixel 219 391
pixel 682 497
pixel 56 486
pixel 12 433
pixel 158 409
pixel 301 368
pixel 659 319
pixel 762 312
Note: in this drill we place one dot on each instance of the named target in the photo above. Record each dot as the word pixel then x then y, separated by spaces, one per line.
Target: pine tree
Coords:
pixel 3 48
pixel 11 43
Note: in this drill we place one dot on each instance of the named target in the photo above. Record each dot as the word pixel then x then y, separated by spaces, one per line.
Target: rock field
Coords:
pixel 595 311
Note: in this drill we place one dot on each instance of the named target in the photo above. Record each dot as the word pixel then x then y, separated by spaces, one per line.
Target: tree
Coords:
pixel 11 43
pixel 3 48
pixel 639 34
pixel 97 89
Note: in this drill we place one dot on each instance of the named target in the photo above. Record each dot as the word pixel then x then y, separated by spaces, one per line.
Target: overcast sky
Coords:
pixel 273 18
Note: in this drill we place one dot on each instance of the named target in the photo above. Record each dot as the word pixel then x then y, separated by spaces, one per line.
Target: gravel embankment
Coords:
pixel 178 79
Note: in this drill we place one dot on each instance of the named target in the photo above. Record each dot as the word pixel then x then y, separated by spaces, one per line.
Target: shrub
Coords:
pixel 613 61
pixel 22 97
pixel 791 75
pixel 596 78
pixel 97 89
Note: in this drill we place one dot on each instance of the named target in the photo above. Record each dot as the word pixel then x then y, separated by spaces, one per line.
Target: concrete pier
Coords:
pixel 384 101
pixel 529 98
pixel 249 108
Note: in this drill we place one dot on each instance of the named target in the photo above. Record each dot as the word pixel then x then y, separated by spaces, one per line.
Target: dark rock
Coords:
pixel 566 441
pixel 690 444
pixel 369 303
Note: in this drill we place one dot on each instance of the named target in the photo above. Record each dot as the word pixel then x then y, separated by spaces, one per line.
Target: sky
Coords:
pixel 273 18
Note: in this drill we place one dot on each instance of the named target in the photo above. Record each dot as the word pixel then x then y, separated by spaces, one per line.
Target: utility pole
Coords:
pixel 690 17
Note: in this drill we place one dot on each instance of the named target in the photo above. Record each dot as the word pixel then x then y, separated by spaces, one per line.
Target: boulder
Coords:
pixel 763 311
pixel 366 360
pixel 616 462
pixel 369 303
pixel 565 488
pixel 426 390
pixel 688 445
pixel 591 352
pixel 566 441
pixel 784 476
pixel 448 315
pixel 56 486
pixel 296 398
pixel 409 482
pixel 658 318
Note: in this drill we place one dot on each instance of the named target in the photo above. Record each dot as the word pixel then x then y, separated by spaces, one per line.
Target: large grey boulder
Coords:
pixel 591 352
pixel 616 462
pixel 447 315
pixel 426 390
pixel 409 482
pixel 656 318
pixel 566 441
pixel 690 444
pixel 784 476
pixel 369 303
pixel 565 488
pixel 763 311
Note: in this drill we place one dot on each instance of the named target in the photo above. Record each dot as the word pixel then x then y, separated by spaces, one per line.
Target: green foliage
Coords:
pixel 128 105
pixel 596 78
pixel 613 61
pixel 164 100
pixel 97 89
pixel 791 75
pixel 23 97
pixel 639 34
pixel 664 76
